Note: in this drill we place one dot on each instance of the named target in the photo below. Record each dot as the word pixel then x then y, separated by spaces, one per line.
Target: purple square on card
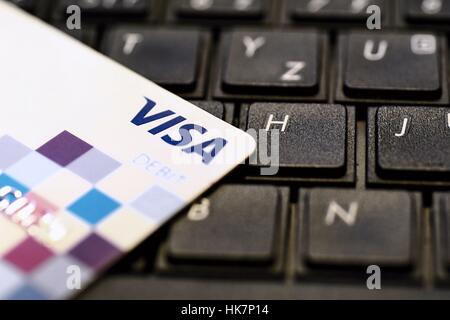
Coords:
pixel 95 252
pixel 64 148
pixel 28 255
pixel 11 151
pixel 93 165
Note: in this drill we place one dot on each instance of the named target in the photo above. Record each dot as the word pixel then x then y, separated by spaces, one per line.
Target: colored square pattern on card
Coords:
pixel 63 220
pixel 28 255
pixel 12 151
pixel 94 206
pixel 32 169
pixel 94 165
pixel 64 148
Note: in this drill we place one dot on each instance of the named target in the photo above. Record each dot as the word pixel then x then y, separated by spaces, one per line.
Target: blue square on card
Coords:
pixel 6 180
pixel 94 206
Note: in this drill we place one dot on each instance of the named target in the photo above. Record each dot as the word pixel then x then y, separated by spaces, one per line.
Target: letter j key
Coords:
pixel 413 140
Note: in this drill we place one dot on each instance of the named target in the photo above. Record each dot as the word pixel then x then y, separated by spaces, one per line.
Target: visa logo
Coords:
pixel 206 149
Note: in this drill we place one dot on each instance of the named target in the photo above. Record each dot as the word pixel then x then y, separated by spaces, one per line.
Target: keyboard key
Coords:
pixel 414 140
pixel 332 10
pixel 99 8
pixel 312 137
pixel 441 213
pixel 273 61
pixel 236 223
pixel 220 9
pixel 390 65
pixel 428 11
pixel 214 107
pixel 358 228
pixel 167 57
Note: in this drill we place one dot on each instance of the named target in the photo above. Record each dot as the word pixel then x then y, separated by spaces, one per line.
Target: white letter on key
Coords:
pixel 252 45
pixel 375 56
pixel 404 126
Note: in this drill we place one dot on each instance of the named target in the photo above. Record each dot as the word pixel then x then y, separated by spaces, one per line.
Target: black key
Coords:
pixel 92 8
pixel 214 107
pixel 428 11
pixel 273 61
pixel 332 10
pixel 351 228
pixel 167 57
pixel 236 223
pixel 28 5
pixel 414 140
pixel 220 9
pixel 389 65
pixel 442 212
pixel 312 137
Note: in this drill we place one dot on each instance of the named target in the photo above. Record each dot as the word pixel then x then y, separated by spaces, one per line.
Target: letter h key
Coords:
pixel 312 137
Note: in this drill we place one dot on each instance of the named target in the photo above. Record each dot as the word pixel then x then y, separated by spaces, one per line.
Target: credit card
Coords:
pixel 93 159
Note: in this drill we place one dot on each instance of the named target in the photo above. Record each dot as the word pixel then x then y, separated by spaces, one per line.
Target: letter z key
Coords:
pixel 287 61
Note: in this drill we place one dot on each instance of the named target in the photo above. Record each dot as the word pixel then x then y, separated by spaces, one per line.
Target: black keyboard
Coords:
pixel 364 166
